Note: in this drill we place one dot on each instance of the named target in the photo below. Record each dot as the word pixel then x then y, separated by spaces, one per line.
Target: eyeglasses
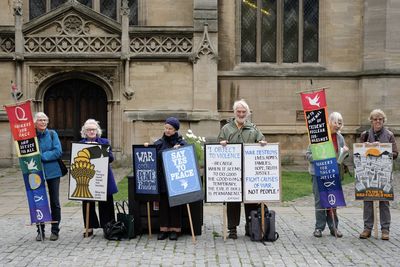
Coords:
pixel 91 130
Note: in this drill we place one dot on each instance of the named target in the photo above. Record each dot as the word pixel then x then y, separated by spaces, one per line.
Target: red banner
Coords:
pixel 312 101
pixel 21 121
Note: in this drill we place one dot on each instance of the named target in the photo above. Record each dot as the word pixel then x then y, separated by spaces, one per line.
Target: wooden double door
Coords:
pixel 69 104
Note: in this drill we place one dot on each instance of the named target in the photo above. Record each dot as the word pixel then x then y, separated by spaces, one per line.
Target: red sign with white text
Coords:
pixel 21 121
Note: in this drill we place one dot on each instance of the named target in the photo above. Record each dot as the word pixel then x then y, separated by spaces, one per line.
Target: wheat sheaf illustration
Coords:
pixel 82 171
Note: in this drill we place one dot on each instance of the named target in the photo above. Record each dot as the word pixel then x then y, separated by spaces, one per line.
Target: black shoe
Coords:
pixel 173 236
pixel 40 237
pixel 232 233
pixel 53 237
pixel 338 233
pixel 162 235
pixel 318 233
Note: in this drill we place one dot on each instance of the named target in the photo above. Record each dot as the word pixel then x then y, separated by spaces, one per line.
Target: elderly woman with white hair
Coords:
pixel 378 134
pixel 91 133
pixel 50 152
pixel 325 216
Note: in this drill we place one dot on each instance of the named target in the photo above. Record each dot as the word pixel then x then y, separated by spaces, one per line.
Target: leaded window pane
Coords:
pixel 108 8
pixel 133 12
pixel 268 31
pixel 56 3
pixel 36 8
pixel 248 31
pixel 290 31
pixel 86 2
pixel 310 35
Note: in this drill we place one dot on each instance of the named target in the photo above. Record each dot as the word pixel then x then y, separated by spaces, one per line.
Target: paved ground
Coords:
pixel 295 247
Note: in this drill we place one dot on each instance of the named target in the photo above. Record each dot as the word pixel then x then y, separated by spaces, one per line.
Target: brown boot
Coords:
pixel 385 234
pixel 365 234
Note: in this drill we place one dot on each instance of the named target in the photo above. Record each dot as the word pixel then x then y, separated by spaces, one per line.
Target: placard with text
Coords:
pixel 262 172
pixel 223 172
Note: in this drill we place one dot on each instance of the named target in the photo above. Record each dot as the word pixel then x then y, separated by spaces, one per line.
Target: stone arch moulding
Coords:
pixel 50 79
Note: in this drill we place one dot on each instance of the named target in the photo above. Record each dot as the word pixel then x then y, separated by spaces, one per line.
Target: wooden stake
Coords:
pixel 375 209
pixel 262 219
pixel 87 219
pixel 333 220
pixel 224 220
pixel 149 218
pixel 191 223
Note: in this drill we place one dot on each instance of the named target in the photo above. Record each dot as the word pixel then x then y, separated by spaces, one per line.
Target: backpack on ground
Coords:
pixel 255 227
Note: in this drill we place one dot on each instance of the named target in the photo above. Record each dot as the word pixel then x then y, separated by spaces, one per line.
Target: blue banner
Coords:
pixel 37 197
pixel 329 184
pixel 145 170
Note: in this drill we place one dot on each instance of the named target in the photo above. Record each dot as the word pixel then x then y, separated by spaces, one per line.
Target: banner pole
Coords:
pixel 87 219
pixel 40 231
pixel 148 218
pixel 224 219
pixel 191 223
pixel 375 210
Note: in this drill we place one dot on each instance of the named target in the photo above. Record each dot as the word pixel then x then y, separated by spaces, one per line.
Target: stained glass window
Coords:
pixel 270 31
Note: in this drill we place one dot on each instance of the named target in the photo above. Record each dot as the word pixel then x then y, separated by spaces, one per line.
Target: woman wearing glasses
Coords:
pixel 91 133
pixel 377 134
pixel 50 151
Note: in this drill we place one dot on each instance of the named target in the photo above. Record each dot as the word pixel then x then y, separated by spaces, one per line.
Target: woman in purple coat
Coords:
pixel 91 133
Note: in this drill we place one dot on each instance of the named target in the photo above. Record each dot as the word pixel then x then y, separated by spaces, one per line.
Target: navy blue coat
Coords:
pixel 111 185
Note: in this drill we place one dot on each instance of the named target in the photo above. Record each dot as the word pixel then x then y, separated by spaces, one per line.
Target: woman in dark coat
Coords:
pixel 91 133
pixel 170 217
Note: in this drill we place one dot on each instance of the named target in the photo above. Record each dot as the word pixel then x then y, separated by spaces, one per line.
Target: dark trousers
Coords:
pixel 233 213
pixel 53 185
pixel 169 216
pixel 106 212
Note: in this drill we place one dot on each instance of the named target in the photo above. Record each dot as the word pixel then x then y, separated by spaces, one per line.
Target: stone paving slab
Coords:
pixel 295 247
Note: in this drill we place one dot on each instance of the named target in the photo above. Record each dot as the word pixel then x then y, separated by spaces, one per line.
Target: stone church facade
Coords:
pixel 132 63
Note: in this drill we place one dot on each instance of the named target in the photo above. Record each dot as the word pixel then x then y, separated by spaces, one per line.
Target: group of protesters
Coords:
pixel 237 130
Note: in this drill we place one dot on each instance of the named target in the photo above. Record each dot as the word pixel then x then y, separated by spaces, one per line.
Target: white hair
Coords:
pixel 336 117
pixel 40 115
pixel 242 103
pixel 94 122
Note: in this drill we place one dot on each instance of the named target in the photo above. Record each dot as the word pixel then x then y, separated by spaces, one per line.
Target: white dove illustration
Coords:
pixel 184 183
pixel 313 101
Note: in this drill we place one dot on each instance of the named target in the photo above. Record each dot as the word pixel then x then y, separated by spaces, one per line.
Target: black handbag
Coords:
pixel 126 218
pixel 63 168
pixel 114 230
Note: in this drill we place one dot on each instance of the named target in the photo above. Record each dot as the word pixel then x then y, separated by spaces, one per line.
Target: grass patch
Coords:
pixel 294 185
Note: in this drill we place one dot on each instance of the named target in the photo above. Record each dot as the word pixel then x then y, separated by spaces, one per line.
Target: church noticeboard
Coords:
pixel 373 166
pixel 88 177
pixel 223 172
pixel 182 175
pixel 145 172
pixel 262 172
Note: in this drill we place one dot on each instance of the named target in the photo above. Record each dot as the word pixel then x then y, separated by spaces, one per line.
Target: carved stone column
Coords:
pixel 19 46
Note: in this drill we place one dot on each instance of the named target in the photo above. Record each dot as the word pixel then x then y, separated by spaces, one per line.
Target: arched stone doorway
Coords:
pixel 69 104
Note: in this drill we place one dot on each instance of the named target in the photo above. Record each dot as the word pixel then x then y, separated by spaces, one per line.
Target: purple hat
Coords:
pixel 174 122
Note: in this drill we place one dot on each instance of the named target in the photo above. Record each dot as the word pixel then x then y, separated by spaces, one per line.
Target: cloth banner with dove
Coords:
pixel 27 147
pixel 323 151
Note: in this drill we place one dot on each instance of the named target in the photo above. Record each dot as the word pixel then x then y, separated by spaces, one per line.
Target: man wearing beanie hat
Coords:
pixel 169 217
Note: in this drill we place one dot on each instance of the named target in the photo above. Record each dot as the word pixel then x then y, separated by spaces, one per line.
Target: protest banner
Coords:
pixel 145 172
pixel 182 175
pixel 373 167
pixel 262 173
pixel 27 147
pixel 223 172
pixel 323 151
pixel 88 177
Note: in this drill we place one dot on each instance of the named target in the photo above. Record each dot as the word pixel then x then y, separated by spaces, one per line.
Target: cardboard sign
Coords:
pixel 182 175
pixel 88 177
pixel 373 167
pixel 145 172
pixel 262 173
pixel 223 172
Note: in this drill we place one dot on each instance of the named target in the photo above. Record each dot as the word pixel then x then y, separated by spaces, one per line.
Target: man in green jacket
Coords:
pixel 239 130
